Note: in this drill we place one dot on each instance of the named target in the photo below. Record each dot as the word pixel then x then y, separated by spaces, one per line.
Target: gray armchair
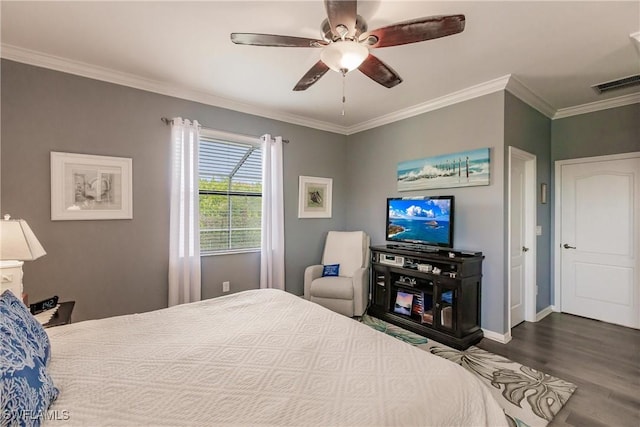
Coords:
pixel 347 293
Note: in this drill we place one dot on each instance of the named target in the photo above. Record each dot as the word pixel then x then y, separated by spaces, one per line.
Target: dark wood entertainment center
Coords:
pixel 445 286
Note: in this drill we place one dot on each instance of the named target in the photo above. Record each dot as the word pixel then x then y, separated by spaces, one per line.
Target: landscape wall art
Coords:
pixel 464 169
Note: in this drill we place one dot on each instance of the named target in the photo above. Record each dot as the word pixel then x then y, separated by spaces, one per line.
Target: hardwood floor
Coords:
pixel 602 359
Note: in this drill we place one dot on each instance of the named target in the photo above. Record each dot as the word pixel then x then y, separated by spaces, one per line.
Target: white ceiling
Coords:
pixel 554 51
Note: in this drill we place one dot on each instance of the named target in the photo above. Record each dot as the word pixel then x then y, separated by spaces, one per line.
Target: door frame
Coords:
pixel 557 214
pixel 530 197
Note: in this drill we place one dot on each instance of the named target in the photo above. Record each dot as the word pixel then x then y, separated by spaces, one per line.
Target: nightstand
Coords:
pixel 11 277
pixel 62 316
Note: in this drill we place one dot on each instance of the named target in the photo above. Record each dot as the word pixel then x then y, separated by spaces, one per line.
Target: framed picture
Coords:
pixel 404 302
pixel 314 198
pixel 464 169
pixel 86 187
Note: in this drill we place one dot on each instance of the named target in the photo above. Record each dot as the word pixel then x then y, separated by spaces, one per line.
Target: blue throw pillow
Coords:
pixel 26 388
pixel 24 325
pixel 331 270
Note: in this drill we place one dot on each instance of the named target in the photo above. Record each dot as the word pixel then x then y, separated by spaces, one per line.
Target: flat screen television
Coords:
pixel 424 221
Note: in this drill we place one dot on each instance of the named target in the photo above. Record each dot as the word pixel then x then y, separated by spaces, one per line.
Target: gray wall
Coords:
pixel 479 217
pixel 612 131
pixel 529 130
pixel 117 267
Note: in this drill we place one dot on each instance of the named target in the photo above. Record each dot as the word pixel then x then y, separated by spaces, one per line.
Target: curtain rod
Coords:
pixel 168 121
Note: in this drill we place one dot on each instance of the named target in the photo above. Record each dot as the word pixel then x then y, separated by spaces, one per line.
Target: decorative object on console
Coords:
pixel 425 268
pixel 404 303
pixel 86 187
pixel 464 169
pixel 314 198
pixel 17 244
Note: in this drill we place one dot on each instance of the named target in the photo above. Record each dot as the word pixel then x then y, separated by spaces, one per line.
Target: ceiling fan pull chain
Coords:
pixel 344 77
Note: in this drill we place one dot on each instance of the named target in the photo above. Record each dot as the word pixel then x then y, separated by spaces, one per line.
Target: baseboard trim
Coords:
pixel 544 313
pixel 495 336
pixel 505 338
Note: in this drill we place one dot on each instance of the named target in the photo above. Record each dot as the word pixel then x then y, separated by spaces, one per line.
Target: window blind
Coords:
pixel 230 196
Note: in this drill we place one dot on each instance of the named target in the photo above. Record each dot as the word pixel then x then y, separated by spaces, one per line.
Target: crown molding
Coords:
pixel 591 107
pixel 52 62
pixel 522 92
pixel 507 82
pixel 472 92
pixel 82 69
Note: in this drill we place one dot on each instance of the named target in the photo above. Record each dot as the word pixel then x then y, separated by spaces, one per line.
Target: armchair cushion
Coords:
pixel 333 287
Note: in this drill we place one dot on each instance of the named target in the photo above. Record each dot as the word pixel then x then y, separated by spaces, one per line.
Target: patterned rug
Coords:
pixel 528 397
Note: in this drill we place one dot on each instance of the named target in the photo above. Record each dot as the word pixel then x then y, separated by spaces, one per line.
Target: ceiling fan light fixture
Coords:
pixel 344 55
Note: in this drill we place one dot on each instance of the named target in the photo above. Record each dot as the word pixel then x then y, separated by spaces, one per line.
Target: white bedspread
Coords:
pixel 262 357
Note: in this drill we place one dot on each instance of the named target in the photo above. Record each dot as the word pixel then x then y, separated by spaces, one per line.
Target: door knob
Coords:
pixel 525 249
pixel 566 246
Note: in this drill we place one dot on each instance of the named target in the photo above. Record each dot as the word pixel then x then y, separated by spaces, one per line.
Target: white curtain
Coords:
pixel 272 254
pixel 184 243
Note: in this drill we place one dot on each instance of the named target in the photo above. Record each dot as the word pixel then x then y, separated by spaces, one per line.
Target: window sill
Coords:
pixel 231 252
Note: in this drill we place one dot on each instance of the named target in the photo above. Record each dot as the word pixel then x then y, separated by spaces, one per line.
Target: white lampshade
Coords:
pixel 344 55
pixel 17 241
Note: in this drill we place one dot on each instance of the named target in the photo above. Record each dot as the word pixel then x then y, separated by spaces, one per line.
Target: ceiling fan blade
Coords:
pixel 255 39
pixel 416 30
pixel 312 76
pixel 380 72
pixel 342 12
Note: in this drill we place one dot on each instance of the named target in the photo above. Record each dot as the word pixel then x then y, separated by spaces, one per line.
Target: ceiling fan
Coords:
pixel 346 43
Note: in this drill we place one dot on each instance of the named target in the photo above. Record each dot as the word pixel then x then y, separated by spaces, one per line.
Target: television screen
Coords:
pixel 421 220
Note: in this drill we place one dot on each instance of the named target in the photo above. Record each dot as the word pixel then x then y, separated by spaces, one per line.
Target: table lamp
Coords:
pixel 17 244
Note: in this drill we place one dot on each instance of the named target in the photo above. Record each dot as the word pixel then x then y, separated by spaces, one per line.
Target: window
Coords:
pixel 230 196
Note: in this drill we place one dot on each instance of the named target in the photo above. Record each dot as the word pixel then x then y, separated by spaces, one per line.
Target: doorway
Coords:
pixel 597 238
pixel 521 240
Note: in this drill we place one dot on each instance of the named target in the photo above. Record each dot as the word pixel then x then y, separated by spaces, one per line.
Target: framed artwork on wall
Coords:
pixel 314 198
pixel 464 169
pixel 87 187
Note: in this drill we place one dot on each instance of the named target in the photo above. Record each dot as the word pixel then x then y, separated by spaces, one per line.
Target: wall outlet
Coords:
pixel 225 286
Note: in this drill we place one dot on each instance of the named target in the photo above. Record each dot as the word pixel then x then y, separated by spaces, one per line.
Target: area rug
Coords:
pixel 529 397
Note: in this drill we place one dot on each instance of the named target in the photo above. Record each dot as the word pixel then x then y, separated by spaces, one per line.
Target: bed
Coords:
pixel 261 357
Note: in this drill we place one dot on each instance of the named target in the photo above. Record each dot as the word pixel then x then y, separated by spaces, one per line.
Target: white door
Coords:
pixel 522 240
pixel 517 223
pixel 599 240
